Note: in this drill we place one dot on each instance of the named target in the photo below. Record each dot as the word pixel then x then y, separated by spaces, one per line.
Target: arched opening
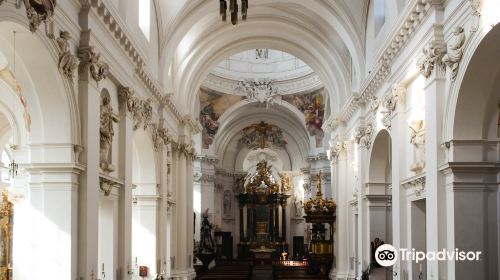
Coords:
pixel 43 126
pixel 144 209
pixel 378 196
pixel 473 199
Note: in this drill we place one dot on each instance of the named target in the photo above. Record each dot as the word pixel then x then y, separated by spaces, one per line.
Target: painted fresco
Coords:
pixel 312 105
pixel 213 105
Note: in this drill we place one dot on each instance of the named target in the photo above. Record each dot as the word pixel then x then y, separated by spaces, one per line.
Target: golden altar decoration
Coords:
pixel 320 211
pixel 6 224
pixel 262 215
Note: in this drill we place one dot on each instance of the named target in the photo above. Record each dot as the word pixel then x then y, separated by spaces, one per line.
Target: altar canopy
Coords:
pixel 262 215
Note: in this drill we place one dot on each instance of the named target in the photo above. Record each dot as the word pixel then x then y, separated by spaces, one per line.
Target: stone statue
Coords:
pixel 455 51
pixel 39 11
pixel 108 118
pixel 206 249
pixel 227 203
pixel 417 138
pixel 68 62
pixel 298 207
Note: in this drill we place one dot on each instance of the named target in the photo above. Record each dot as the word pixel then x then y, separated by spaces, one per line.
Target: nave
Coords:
pixel 249 139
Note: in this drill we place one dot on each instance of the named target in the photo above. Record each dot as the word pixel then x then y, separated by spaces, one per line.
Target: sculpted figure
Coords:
pixel 108 118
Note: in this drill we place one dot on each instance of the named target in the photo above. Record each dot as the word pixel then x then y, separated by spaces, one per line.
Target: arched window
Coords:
pixel 378 14
pixel 145 17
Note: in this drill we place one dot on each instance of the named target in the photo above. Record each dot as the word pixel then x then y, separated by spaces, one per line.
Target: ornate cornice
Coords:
pixel 400 37
pixel 305 84
pixel 417 184
pixel 121 35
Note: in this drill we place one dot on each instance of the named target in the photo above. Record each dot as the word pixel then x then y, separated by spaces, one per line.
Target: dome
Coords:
pixel 288 73
pixel 258 63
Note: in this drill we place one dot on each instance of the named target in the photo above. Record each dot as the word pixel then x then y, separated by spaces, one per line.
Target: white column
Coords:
pixel 398 128
pixel 125 262
pixel 435 208
pixel 183 266
pixel 89 191
pixel 162 213
pixel 340 195
pixel 46 222
pixel 363 225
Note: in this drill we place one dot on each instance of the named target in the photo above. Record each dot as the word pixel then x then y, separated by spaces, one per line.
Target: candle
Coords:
pixel 102 266
pixel 420 268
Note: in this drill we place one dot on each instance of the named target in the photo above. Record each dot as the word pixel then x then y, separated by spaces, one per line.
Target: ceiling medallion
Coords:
pixel 233 9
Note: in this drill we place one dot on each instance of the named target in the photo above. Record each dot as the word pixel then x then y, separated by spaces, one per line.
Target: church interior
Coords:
pixel 249 139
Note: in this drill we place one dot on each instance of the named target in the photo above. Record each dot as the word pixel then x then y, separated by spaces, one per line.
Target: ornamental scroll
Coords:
pixel 6 226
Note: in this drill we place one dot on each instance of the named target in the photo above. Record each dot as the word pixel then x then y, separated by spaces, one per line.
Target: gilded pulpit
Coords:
pixel 319 212
pixel 262 215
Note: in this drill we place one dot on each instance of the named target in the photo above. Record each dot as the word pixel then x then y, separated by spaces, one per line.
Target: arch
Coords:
pixel 50 99
pixel 475 90
pixel 379 165
pixel 185 68
pixel 197 66
pixel 243 114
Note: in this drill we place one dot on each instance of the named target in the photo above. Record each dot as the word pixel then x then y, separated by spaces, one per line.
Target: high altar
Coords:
pixel 262 216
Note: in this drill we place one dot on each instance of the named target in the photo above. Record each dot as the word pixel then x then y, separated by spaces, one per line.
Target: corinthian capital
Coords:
pixel 90 58
pixel 433 53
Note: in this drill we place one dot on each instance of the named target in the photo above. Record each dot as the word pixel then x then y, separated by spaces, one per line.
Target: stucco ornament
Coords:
pixel 39 11
pixel 146 112
pixel 159 136
pixel 126 98
pixel 89 57
pixel 68 62
pixel 108 118
pixel 417 138
pixel 336 150
pixel 455 51
pixel 433 53
pixel 363 136
pixel 261 91
pixel 374 103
